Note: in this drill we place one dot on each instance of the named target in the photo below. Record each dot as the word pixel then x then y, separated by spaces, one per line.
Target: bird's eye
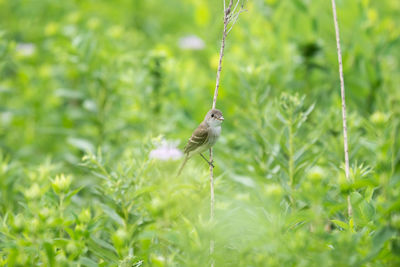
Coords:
pixel 212 115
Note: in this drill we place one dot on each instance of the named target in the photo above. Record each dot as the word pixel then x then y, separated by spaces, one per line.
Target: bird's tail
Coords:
pixel 183 165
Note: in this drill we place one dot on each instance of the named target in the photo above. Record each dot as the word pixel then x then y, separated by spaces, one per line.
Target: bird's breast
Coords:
pixel 215 132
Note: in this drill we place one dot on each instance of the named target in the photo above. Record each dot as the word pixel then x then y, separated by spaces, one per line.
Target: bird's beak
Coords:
pixel 221 118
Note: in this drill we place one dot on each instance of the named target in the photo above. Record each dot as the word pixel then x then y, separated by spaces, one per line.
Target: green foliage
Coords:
pixel 90 89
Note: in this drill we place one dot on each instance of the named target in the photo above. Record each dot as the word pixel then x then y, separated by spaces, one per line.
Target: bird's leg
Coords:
pixel 210 163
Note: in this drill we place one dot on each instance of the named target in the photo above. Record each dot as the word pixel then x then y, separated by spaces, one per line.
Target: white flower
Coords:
pixel 166 151
pixel 25 49
pixel 191 42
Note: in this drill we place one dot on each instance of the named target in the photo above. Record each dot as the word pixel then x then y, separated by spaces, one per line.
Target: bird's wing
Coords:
pixel 198 138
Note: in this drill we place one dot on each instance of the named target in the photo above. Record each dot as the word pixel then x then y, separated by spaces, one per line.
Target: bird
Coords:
pixel 204 136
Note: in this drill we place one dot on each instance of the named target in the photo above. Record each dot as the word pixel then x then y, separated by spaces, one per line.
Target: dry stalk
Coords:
pixel 230 17
pixel 343 95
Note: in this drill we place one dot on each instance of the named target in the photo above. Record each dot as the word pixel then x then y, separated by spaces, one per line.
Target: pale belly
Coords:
pixel 214 135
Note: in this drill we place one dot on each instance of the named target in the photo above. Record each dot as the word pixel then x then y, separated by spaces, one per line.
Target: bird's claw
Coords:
pixel 209 162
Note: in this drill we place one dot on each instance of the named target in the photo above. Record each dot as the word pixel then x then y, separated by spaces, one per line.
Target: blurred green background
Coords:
pixel 97 96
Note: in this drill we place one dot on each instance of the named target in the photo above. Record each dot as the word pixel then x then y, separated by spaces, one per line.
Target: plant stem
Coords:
pixel 221 51
pixel 393 148
pixel 291 160
pixel 343 95
pixel 211 204
pixel 221 55
pixel 229 16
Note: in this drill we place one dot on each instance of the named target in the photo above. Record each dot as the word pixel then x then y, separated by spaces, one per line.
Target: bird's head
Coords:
pixel 214 117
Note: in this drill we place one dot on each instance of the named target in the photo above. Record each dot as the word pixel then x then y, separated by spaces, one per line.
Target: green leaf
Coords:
pixel 351 224
pixel 356 198
pixel 102 249
pixel 112 214
pixel 341 224
pixel 72 193
pixel 87 262
pixel 300 5
pixel 367 210
pixel 50 252
pixel 82 144
pixel 378 241
pixel 70 232
pixel 368 193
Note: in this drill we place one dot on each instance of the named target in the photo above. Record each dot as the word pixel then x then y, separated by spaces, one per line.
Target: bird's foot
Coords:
pixel 209 162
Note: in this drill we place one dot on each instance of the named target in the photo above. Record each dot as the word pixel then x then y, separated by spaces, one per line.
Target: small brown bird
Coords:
pixel 204 137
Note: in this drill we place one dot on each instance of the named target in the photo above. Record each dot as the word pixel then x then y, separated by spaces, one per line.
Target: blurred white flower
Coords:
pixel 191 42
pixel 166 151
pixel 6 117
pixel 25 49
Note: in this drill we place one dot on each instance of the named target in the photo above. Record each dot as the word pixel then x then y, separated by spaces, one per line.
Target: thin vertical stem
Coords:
pixel 211 187
pixel 221 51
pixel 346 148
pixel 291 159
pixel 393 147
pixel 211 205
pixel 221 55
pixel 227 19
